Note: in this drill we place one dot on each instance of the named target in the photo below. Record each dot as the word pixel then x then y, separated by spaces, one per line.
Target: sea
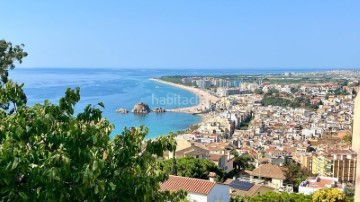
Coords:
pixel 123 88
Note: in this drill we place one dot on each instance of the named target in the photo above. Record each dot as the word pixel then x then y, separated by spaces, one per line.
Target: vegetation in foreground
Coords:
pixel 49 154
pixel 193 167
pixel 323 195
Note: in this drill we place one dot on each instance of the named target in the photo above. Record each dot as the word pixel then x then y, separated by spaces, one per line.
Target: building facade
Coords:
pixel 356 145
pixel 344 167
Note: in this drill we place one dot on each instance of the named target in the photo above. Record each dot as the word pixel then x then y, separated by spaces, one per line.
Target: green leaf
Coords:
pixel 23 196
pixel 95 165
pixel 15 163
pixel 112 185
pixel 101 104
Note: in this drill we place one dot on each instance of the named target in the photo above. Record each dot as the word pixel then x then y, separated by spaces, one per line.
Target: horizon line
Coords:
pixel 197 68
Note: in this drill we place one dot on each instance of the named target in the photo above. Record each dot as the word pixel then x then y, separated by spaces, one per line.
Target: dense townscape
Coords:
pixel 296 136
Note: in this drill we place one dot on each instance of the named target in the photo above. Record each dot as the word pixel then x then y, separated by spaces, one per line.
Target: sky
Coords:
pixel 185 33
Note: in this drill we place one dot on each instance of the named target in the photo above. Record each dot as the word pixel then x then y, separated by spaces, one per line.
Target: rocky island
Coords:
pixel 122 111
pixel 159 110
pixel 141 108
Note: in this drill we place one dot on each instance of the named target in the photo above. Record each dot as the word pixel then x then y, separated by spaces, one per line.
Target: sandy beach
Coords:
pixel 204 97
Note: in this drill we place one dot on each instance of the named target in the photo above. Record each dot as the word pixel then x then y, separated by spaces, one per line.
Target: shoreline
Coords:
pixel 203 96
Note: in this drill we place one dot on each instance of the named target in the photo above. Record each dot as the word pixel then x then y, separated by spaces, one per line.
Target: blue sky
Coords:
pixel 185 33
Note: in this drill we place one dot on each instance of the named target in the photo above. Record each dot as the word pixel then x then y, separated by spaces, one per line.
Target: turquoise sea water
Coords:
pixel 120 88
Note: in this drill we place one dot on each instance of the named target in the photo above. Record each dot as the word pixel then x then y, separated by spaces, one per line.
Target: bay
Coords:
pixel 122 88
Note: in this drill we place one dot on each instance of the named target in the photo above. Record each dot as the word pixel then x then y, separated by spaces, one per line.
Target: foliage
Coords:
pixel 11 93
pixel 48 154
pixel 259 91
pixel 337 91
pixel 280 197
pixel 275 100
pixel 9 54
pixel 244 125
pixel 340 91
pixel 194 127
pixel 176 79
pixel 343 82
pixel 193 167
pixel 294 90
pixel 327 96
pixel 295 175
pixel 329 194
pixel 240 199
pixel 347 138
pixel 353 92
pixel 243 162
pixel 231 174
pixel 350 191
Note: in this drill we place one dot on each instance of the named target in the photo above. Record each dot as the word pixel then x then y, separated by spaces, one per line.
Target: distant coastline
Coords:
pixel 204 97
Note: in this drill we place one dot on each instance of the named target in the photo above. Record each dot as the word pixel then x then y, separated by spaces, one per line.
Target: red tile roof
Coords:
pixel 176 183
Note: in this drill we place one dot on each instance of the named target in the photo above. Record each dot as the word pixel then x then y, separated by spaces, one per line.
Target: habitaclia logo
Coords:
pixel 174 100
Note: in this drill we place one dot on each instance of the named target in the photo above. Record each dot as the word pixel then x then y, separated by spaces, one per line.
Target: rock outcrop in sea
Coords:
pixel 141 108
pixel 122 111
pixel 159 110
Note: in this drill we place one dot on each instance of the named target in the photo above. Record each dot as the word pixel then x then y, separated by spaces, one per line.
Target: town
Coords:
pixel 279 133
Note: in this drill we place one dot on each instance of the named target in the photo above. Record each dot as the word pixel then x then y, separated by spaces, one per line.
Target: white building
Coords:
pixel 198 190
pixel 309 186
pixel 203 83
pixel 187 80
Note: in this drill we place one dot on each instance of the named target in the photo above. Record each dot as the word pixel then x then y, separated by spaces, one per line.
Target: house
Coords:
pixel 272 175
pixel 219 160
pixel 195 150
pixel 240 187
pixel 310 185
pixel 198 190
pixel 223 148
pixel 222 161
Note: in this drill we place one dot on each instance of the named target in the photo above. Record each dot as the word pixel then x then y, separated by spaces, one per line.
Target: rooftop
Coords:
pixel 270 171
pixel 321 182
pixel 243 188
pixel 176 183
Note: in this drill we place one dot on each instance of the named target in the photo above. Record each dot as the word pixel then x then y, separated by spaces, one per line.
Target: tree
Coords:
pixel 193 167
pixel 243 162
pixel 347 138
pixel 327 96
pixel 349 191
pixel 329 194
pixel 295 175
pixel 49 154
pixel 283 197
pixel 259 91
pixel 294 90
pixel 11 94
pixel 244 124
pixel 353 92
pixel 343 82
